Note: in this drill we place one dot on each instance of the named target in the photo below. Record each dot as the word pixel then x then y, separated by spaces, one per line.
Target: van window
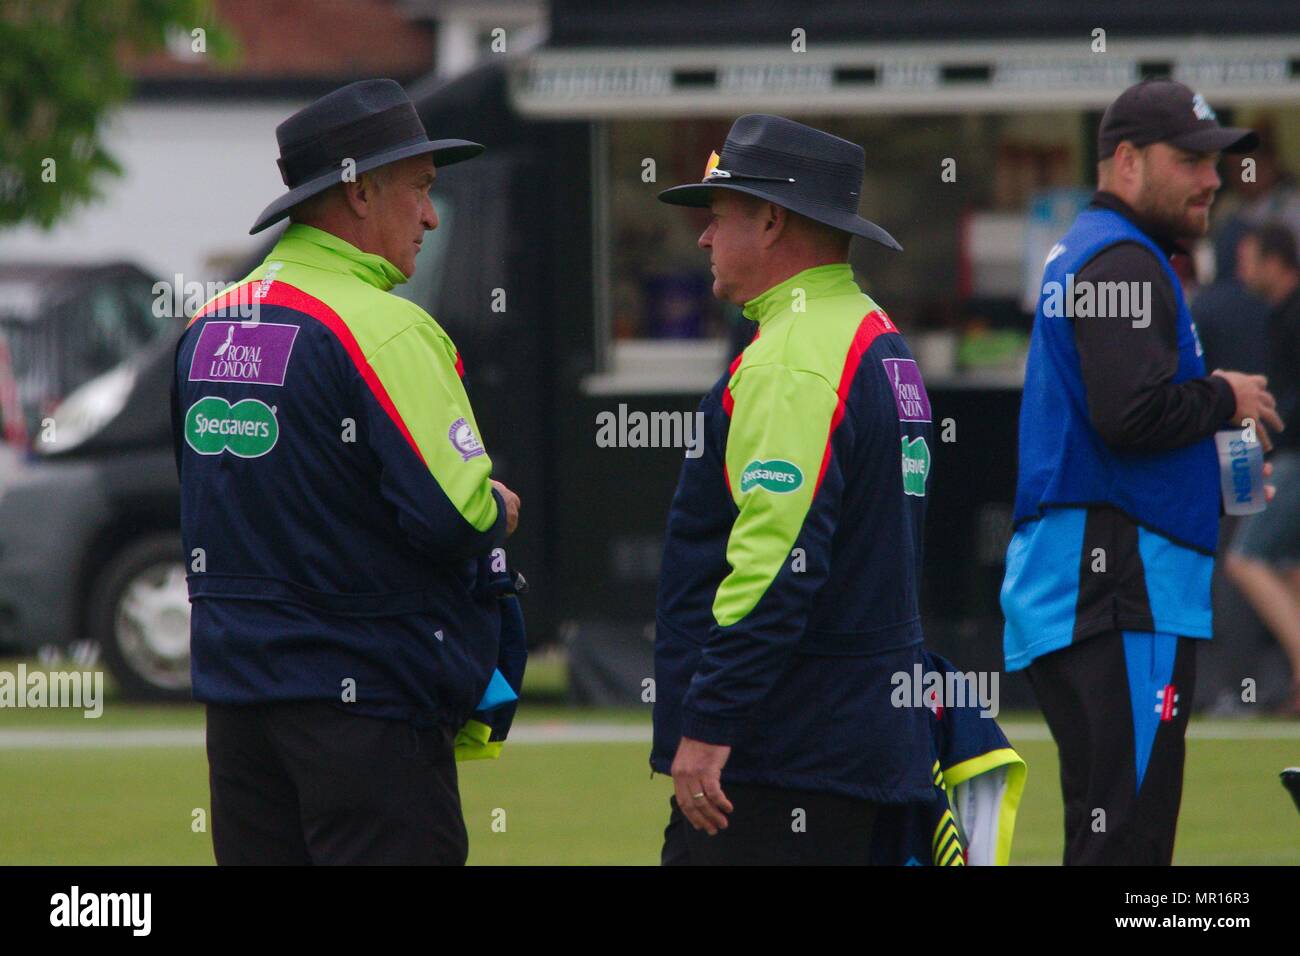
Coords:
pixel 660 327
pixel 113 329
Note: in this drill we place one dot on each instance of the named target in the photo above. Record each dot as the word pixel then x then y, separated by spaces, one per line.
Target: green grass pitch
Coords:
pixel 552 803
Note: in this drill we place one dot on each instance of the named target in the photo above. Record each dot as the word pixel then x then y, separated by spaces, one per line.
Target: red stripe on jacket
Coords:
pixel 291 297
pixel 874 323
pixel 234 296
pixel 728 403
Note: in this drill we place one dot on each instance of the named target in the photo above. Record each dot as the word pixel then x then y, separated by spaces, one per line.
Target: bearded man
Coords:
pixel 1107 587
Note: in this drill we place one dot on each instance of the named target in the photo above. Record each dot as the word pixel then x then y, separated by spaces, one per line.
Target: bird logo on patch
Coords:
pixel 230 337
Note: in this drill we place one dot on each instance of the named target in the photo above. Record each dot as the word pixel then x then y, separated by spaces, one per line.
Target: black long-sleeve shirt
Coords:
pixel 1127 370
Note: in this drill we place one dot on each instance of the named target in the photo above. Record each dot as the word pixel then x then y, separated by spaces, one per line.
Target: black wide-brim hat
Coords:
pixel 800 168
pixel 371 122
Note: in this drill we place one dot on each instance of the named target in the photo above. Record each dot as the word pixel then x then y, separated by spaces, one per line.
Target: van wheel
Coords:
pixel 139 612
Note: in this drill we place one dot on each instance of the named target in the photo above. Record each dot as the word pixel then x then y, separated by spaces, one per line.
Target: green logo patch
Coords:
pixel 776 475
pixel 248 428
pixel 916 466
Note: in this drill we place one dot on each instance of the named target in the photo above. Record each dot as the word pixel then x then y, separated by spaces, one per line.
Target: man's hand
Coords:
pixel 697 778
pixel 512 506
pixel 1254 401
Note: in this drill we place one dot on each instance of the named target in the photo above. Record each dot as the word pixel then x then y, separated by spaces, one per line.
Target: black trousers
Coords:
pixel 1121 742
pixel 304 782
pixel 766 829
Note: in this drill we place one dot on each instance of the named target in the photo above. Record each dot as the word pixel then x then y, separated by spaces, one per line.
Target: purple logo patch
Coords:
pixel 909 390
pixel 464 440
pixel 243 352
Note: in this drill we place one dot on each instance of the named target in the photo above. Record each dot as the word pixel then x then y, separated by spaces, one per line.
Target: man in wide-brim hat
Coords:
pixel 350 600
pixel 788 587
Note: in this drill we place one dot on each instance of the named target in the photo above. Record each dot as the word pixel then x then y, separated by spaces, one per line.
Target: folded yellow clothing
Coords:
pixel 472 742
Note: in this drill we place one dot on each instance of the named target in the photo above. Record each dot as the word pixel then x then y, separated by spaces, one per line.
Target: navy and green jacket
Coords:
pixel 341 532
pixel 788 587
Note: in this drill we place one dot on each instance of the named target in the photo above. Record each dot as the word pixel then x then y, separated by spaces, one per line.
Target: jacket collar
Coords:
pixel 1106 200
pixel 314 247
pixel 819 282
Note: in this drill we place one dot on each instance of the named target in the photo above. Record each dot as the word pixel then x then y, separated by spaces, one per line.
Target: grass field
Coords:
pixel 125 800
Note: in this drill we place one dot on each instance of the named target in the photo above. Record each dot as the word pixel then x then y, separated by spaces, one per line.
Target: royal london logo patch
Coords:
pixel 254 352
pixel 909 391
pixel 248 428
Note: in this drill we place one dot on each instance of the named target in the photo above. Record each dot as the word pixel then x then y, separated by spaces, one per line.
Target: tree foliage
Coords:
pixel 61 73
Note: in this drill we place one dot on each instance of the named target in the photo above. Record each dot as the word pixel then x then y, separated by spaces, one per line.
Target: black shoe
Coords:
pixel 1291 780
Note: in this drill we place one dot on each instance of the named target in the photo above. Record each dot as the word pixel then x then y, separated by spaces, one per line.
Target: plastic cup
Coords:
pixel 1241 472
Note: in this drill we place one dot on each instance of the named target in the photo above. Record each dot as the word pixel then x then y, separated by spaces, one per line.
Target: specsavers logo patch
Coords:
pixel 248 428
pixel 916 466
pixel 776 475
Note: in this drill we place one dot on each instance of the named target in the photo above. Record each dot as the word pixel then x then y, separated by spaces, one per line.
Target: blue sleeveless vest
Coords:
pixel 1063 461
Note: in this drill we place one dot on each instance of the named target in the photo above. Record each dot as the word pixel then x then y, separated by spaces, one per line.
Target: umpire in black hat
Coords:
pixel 788 586
pixel 347 615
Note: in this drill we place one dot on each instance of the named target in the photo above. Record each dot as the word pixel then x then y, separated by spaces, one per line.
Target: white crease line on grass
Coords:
pixel 1207 730
pixel 548 733
pixel 554 732
pixel 100 739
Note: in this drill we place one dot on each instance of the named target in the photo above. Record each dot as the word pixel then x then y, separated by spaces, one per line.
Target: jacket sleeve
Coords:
pixel 1128 370
pixel 778 549
pixel 434 470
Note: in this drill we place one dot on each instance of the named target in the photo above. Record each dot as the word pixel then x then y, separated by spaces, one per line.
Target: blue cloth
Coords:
pixel 1149 659
pixel 1063 461
pixel 1040 593
pixel 498 692
pixel 501 700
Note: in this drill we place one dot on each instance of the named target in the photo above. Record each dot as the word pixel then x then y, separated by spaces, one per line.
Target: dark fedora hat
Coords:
pixel 800 168
pixel 371 122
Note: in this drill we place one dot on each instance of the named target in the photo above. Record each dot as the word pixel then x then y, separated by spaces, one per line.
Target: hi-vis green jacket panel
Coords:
pixel 414 361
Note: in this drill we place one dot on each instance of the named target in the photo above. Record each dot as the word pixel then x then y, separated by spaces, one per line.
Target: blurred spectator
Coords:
pixel 1270 194
pixel 1231 321
pixel 1264 560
